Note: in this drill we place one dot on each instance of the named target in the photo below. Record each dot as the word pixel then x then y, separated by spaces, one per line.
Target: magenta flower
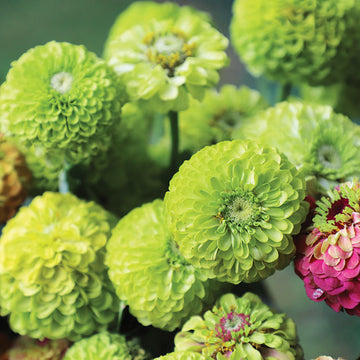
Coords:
pixel 328 256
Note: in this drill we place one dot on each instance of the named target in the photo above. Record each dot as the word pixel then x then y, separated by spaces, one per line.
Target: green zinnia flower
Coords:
pixel 104 346
pixel 233 207
pixel 210 121
pixel 53 279
pixel 240 328
pixel 62 97
pixel 163 60
pixel 297 40
pixel 216 117
pixel 185 355
pixel 149 273
pixel 140 12
pixel 324 143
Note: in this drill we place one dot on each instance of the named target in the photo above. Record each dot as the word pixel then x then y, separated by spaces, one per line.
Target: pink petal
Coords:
pixel 347 302
pixel 353 261
pixel 345 243
pixel 336 252
pixel 329 260
pixel 340 266
pixel 316 267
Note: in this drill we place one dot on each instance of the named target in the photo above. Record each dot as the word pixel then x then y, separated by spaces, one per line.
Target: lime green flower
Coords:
pixel 233 208
pixel 53 279
pixel 324 143
pixel 240 328
pixel 184 355
pixel 164 59
pixel 140 12
pixel 103 346
pixel 296 41
pixel 26 348
pixel 210 121
pixel 148 272
pixel 62 97
pixel 216 117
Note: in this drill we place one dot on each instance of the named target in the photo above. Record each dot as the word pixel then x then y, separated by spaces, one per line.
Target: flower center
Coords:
pixel 226 121
pixel 169 49
pixel 62 82
pixel 241 211
pixel 333 213
pixel 230 324
pixel 329 157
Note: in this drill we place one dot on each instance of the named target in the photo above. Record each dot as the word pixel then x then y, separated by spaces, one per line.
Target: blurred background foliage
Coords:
pixel 27 23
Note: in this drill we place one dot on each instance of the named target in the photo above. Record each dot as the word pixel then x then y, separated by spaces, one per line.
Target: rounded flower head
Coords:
pixel 324 143
pixel 216 117
pixel 64 98
pixel 168 289
pixel 296 41
pixel 328 258
pixel 162 60
pixel 53 279
pixel 26 348
pixel 233 208
pixel 104 346
pixel 240 328
pixel 15 179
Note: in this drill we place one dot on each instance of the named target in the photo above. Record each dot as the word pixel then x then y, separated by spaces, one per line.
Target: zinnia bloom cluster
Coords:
pixel 233 208
pixel 240 328
pixel 294 41
pixel 168 289
pixel 53 279
pixel 328 257
pixel 164 59
pixel 61 97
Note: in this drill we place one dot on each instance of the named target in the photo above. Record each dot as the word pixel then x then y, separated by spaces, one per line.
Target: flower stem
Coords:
pixel 174 126
pixel 285 91
pixel 122 306
pixel 63 179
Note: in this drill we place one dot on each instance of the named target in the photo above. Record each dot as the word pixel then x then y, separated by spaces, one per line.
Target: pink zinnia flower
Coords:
pixel 328 255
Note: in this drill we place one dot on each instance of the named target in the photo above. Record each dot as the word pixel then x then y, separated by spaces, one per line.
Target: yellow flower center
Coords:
pixel 168 49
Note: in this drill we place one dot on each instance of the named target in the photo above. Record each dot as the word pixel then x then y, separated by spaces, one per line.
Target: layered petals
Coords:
pixel 233 208
pixel 53 279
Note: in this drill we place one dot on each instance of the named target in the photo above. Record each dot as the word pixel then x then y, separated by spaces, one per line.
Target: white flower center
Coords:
pixel 168 44
pixel 62 82
pixel 329 157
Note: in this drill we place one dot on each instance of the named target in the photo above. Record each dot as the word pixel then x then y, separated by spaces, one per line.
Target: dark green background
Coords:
pixel 26 23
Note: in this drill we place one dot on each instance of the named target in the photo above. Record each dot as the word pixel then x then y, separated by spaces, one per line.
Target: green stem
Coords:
pixel 174 126
pixel 122 306
pixel 285 91
pixel 63 179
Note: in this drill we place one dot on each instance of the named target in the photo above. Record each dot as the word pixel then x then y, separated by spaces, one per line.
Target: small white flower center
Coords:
pixel 168 44
pixel 62 82
pixel 329 157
